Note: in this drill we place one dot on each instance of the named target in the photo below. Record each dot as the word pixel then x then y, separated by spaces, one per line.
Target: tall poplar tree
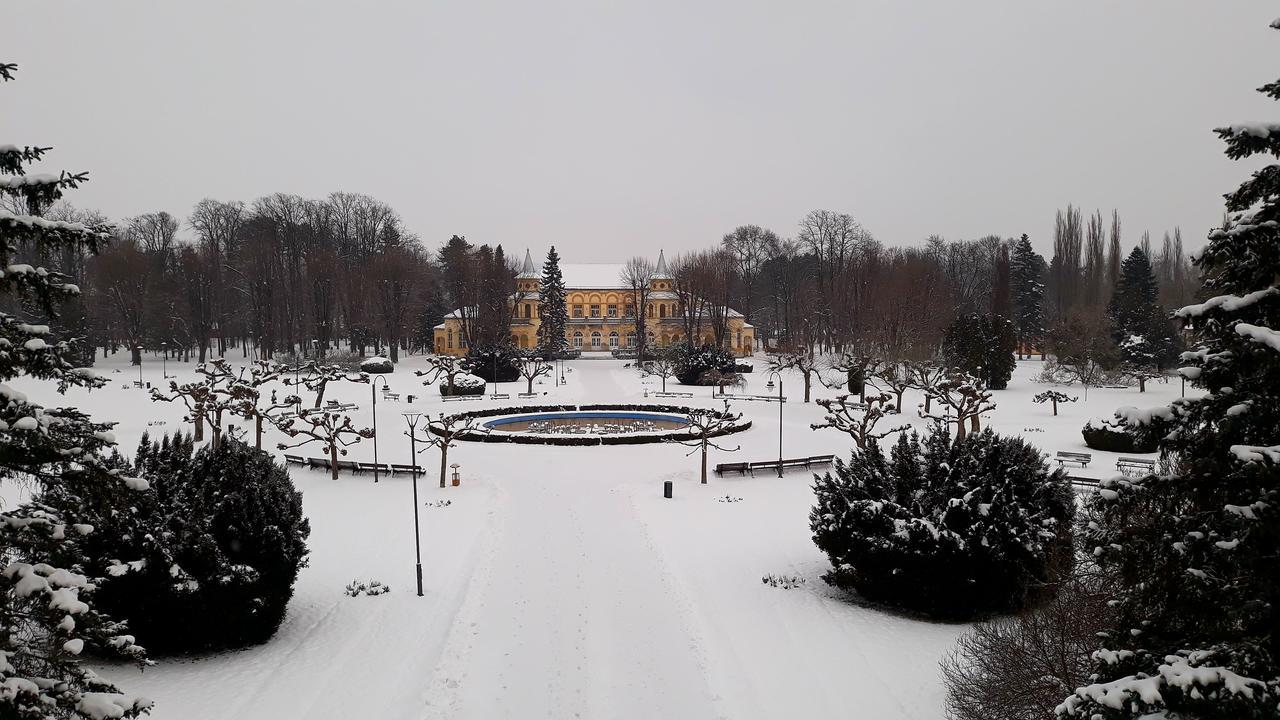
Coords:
pixel 553 312
pixel 1196 548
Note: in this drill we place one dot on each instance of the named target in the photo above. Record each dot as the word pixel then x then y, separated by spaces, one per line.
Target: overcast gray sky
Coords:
pixel 611 128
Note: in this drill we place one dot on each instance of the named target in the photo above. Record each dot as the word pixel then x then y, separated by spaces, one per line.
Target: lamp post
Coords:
pixel 140 366
pixel 412 419
pixel 164 361
pixel 373 388
pixel 495 375
pixel 773 374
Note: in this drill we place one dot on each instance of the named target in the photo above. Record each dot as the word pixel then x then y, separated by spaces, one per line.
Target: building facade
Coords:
pixel 601 313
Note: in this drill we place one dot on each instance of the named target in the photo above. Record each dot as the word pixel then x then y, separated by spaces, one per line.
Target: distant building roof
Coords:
pixel 592 276
pixel 528 270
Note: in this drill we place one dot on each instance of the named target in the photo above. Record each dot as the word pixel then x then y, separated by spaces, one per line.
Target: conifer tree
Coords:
pixel 983 346
pixel 1198 549
pixel 46 616
pixel 553 312
pixel 1027 270
pixel 1138 322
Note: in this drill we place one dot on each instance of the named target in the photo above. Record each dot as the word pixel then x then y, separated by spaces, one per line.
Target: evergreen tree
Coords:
pixel 552 310
pixel 1001 302
pixel 46 614
pixel 1139 325
pixel 1197 549
pixel 982 346
pixel 1027 271
pixel 948 528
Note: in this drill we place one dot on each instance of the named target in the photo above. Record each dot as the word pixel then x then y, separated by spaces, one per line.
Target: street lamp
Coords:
pixel 140 366
pixel 164 360
pixel 770 387
pixel 412 419
pixel 373 388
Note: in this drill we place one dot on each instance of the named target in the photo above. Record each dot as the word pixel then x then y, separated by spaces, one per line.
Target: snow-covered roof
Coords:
pixel 528 270
pixel 592 276
pixel 661 270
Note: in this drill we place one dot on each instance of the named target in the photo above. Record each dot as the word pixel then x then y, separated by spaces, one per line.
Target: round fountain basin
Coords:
pixel 588 422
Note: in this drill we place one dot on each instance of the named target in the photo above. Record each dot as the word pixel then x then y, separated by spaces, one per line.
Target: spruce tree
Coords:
pixel 1139 325
pixel 1027 271
pixel 983 346
pixel 46 615
pixel 553 312
pixel 1197 549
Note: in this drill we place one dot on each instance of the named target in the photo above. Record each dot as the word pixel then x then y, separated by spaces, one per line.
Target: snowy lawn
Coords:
pixel 559 582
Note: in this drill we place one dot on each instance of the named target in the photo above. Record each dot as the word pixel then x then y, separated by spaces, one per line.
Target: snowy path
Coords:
pixel 572 615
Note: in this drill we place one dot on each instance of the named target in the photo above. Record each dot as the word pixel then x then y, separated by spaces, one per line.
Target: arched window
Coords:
pixel 577 339
pixel 631 340
pixel 662 310
pixel 595 339
pixel 650 311
pixel 528 311
pixel 613 340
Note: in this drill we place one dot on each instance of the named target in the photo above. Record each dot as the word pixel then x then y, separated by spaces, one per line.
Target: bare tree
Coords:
pixel 1052 396
pixel 637 276
pixel 447 367
pixel 319 376
pixel 532 366
pixel 208 399
pixel 443 433
pixel 964 396
pixel 856 367
pixel 801 360
pixel 925 375
pixel 332 429
pixel 663 364
pixel 705 424
pixel 859 420
pixel 897 378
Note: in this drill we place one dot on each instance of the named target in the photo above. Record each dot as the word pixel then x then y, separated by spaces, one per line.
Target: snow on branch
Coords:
pixel 1229 303
pixel 1256 453
pixel 1260 334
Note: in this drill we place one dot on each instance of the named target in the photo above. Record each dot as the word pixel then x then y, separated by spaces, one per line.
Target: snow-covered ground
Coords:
pixel 559 582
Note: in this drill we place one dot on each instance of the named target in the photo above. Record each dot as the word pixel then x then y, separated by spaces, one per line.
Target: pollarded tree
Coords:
pixel 662 364
pixel 705 424
pixel 208 399
pixel 963 398
pixel 1053 396
pixel 532 367
pixel 856 367
pixel 925 376
pixel 553 314
pixel 47 619
pixel 859 420
pixel 332 429
pixel 446 367
pixel 801 360
pixel 443 434
pixel 1197 548
pixel 317 377
pixel 897 377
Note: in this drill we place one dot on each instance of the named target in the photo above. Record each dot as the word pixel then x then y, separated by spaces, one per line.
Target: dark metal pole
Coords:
pixel 779 425
pixel 373 391
pixel 139 366
pixel 412 419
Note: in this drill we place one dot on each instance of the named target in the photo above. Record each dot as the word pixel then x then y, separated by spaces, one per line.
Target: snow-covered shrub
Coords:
pixel 1019 666
pixel 464 384
pixel 377 365
pixel 694 362
pixel 484 361
pixel 1114 436
pixel 949 529
pixel 219 538
pixel 373 588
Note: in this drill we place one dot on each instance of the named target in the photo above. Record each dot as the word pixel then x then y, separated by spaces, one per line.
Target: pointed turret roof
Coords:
pixel 661 270
pixel 528 270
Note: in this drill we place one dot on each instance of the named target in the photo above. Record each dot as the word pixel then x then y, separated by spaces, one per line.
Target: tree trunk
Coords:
pixel 1055 407
pixel 136 355
pixel 899 405
pixel 257 430
pixel 1142 384
pixel 975 423
pixel 530 391
pixel 808 379
pixel 704 462
pixel 444 459
pixel 959 429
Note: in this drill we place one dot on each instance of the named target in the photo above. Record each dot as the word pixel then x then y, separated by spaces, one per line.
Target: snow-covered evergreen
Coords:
pixel 1198 549
pixel 552 310
pixel 47 619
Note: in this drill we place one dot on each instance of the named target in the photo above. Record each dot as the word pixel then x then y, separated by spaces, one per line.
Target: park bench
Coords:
pixel 804 462
pixel 318 463
pixel 1073 457
pixel 452 398
pixel 671 394
pixel 348 465
pixel 391 396
pixel 499 396
pixel 369 467
pixel 761 398
pixel 1128 465
pixel 294 460
pixel 820 460
pixel 740 468
pixel 396 469
pixel 528 395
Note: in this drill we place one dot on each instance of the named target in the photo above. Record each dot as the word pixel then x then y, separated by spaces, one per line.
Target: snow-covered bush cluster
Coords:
pixel 952 529
pixel 377 365
pixel 1116 436
pixel 215 547
pixel 694 363
pixel 464 384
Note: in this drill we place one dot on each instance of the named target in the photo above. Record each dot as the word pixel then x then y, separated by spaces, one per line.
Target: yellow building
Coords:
pixel 601 309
